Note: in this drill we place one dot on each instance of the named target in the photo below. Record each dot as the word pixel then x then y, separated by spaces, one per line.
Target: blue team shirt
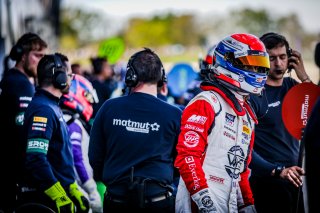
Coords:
pixel 48 148
pixel 273 144
pixel 138 130
pixel 16 94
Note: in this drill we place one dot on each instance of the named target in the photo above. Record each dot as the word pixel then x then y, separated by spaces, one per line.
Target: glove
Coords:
pixel 80 201
pixel 63 202
pixel 94 197
pixel 101 189
pixel 248 209
pixel 204 201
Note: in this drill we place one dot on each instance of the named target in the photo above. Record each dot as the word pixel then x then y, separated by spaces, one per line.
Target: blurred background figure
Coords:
pixel 194 87
pixel 77 111
pixel 102 81
pixel 76 69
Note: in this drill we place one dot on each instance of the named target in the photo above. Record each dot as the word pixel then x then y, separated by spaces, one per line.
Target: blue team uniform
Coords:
pixel 272 145
pixel 16 94
pixel 48 148
pixel 144 130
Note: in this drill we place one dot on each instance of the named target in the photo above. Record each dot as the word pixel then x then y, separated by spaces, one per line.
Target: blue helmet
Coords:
pixel 241 63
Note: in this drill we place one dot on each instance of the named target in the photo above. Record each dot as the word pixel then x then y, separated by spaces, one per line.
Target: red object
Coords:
pixel 297 106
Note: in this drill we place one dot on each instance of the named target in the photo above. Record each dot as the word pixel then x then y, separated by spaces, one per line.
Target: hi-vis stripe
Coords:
pixel 40 119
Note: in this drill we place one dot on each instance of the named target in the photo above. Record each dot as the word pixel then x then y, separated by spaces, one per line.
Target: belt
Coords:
pixel 158 198
pixel 148 200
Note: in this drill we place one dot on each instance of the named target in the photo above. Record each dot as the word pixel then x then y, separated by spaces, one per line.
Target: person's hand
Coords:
pixel 247 209
pixel 80 201
pixel 95 202
pixel 296 62
pixel 90 187
pixel 204 201
pixel 63 202
pixel 293 174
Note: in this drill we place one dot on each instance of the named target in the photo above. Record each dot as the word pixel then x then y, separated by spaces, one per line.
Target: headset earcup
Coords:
pixel 60 79
pixel 16 52
pixel 163 77
pixel 131 78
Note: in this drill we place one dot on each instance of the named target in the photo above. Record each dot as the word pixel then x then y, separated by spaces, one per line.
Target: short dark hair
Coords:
pixel 45 69
pixel 272 40
pixel 26 43
pixel 97 64
pixel 148 66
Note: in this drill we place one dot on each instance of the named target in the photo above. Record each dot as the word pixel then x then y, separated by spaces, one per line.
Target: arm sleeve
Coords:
pixel 192 142
pixel 260 165
pixel 39 133
pixel 76 138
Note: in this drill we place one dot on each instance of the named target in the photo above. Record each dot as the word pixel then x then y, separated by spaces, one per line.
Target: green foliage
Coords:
pixel 253 21
pixel 161 30
pixel 81 28
pixel 84 27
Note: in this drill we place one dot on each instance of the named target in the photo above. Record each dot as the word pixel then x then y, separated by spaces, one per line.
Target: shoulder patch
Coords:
pixel 40 119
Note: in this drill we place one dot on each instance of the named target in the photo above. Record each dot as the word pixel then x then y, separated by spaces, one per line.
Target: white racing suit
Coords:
pixel 214 150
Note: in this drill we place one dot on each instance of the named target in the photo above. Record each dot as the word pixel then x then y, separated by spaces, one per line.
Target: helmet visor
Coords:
pixel 255 58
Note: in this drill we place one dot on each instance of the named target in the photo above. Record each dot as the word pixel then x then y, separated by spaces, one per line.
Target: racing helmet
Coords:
pixel 207 63
pixel 80 98
pixel 241 63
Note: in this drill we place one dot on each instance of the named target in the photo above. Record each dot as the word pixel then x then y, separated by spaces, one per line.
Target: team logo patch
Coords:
pixel 19 119
pixel 38 128
pixel 229 135
pixel 40 119
pixel 230 119
pixel 191 139
pixel 134 126
pixel 207 202
pixel 197 119
pixel 241 78
pixel 192 168
pixel 214 99
pixel 259 79
pixel 246 130
pixel 216 179
pixel 23 105
pixel 25 98
pixel 38 145
pixel 195 128
pixel 189 159
pixel 235 158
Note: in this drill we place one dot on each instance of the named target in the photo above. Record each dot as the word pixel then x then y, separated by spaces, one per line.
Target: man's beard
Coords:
pixel 28 71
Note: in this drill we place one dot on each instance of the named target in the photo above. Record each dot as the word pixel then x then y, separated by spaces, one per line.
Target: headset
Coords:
pixel 59 78
pixel 17 50
pixel 131 78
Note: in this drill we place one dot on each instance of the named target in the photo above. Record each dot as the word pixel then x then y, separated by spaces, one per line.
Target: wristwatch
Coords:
pixel 278 170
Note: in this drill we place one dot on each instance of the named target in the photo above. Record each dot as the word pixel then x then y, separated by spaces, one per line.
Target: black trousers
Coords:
pixel 111 205
pixel 276 195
